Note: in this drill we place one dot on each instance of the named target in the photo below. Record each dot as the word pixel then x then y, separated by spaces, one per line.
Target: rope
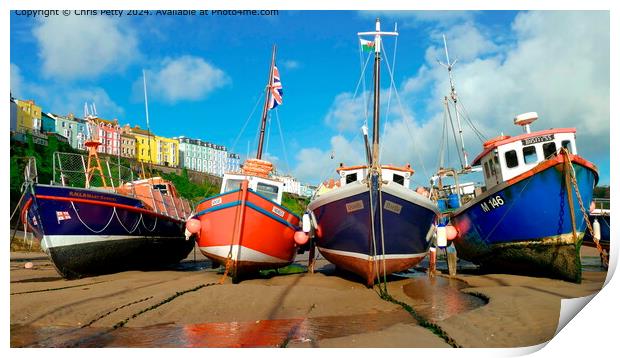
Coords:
pixel 282 140
pixel 456 143
pixel 382 288
pixel 88 227
pixel 405 118
pixel 146 228
pixel 573 180
pixel 372 223
pixel 121 222
pixel 246 122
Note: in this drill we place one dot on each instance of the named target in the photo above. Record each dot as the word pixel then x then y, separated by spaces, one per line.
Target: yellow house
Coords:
pixel 28 117
pixel 151 148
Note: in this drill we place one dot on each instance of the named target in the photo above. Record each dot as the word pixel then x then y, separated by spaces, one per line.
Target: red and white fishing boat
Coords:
pixel 245 227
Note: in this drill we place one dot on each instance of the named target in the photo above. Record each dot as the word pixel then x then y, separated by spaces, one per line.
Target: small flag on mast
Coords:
pixel 367 45
pixel 275 89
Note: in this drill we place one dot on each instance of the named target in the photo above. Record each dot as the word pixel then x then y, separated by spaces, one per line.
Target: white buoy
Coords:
pixel 597 230
pixel 442 237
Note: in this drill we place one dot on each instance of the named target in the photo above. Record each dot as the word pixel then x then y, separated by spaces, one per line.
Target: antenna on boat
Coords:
pixel 376 79
pixel 454 98
pixel 259 151
pixel 148 128
pixel 525 119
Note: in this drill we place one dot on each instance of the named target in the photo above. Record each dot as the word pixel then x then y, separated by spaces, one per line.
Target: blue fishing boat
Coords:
pixel 373 224
pixel 529 217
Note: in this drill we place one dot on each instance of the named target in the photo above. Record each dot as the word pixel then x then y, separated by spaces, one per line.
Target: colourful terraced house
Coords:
pixel 151 148
pixel 73 128
pixel 28 116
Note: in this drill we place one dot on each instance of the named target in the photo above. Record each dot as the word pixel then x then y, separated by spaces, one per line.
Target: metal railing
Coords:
pixel 70 169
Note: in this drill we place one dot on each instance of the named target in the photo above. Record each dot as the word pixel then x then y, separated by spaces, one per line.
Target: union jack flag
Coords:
pixel 62 215
pixel 276 89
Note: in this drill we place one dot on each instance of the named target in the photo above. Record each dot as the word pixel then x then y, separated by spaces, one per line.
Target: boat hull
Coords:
pixel 345 229
pixel 525 226
pixel 246 231
pixel 88 232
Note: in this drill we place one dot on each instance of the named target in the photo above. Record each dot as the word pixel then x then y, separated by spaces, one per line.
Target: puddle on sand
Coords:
pixel 267 333
pixel 437 298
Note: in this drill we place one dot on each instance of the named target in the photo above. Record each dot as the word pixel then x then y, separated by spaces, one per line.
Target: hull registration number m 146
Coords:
pixel 492 203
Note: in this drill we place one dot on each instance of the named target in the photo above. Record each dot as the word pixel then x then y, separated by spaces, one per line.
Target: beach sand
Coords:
pixel 186 306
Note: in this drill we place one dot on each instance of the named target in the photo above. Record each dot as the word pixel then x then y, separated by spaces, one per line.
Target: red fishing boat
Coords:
pixel 245 227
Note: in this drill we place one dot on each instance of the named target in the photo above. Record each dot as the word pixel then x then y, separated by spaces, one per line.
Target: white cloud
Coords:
pixel 346 113
pixel 77 47
pixel 290 64
pixel 185 78
pixel 413 18
pixel 557 65
pixel 314 165
pixel 465 39
pixel 16 81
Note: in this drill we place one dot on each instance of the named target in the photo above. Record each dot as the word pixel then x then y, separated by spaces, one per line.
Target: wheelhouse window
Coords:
pixel 529 154
pixel 162 188
pixel 486 169
pixel 566 144
pixel 511 158
pixel 399 179
pixel 269 191
pixel 350 178
pixel 549 149
pixel 232 184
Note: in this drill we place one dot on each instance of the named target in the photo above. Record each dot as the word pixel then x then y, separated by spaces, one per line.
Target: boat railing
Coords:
pixel 601 203
pixel 71 170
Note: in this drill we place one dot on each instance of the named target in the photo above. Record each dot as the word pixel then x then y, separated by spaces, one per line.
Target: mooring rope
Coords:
pixel 573 179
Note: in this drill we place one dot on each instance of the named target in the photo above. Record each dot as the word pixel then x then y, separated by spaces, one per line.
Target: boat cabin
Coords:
pixel 390 173
pixel 263 186
pixel 506 157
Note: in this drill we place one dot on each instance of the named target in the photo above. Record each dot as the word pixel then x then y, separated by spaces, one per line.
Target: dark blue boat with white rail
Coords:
pixel 373 224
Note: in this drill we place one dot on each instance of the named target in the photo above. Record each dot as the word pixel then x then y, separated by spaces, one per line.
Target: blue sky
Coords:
pixel 205 75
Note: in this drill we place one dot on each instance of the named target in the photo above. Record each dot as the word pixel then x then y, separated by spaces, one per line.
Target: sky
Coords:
pixel 206 77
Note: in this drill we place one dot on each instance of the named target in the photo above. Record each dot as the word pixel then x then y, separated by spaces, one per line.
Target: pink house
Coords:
pixel 108 133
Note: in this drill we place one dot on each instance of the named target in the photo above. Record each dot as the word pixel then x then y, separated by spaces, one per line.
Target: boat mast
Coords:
pixel 377 88
pixel 263 124
pixel 454 98
pixel 148 128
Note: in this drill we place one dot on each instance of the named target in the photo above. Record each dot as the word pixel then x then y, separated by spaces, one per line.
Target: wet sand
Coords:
pixel 184 306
